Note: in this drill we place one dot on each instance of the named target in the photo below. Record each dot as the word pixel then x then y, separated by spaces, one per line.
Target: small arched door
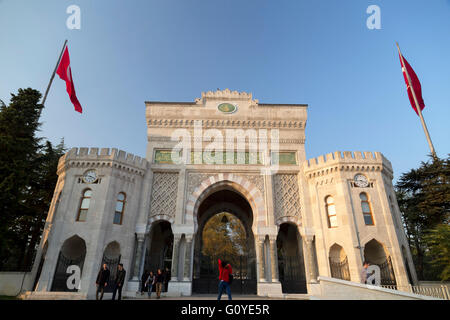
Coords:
pixel 374 253
pixel 291 266
pixel 111 257
pixel 73 252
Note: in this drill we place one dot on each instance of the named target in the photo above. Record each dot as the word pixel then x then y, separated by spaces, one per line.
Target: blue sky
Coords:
pixel 316 52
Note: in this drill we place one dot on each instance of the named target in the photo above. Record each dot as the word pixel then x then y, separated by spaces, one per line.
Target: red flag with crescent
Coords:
pixel 65 73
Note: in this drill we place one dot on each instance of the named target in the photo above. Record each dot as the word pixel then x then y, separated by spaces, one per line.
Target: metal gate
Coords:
pixel 291 274
pixel 387 273
pixel 244 275
pixel 112 266
pixel 61 275
pixel 340 270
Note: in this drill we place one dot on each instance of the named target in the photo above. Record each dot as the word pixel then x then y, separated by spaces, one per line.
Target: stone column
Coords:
pixel 175 256
pixel 187 258
pixel 309 257
pixel 139 254
pixel 261 264
pixel 274 257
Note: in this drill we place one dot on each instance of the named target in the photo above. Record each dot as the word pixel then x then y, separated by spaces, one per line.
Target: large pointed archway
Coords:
pixel 224 220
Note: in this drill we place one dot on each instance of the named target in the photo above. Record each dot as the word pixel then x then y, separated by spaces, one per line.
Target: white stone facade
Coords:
pixel 158 190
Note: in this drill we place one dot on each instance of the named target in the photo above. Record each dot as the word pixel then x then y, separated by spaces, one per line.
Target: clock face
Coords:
pixel 90 176
pixel 361 180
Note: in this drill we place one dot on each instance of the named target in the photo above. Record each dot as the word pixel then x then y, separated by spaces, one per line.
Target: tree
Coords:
pixel 224 237
pixel 27 179
pixel 423 196
pixel 18 124
pixel 438 240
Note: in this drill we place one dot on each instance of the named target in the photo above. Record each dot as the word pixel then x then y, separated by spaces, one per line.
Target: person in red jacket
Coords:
pixel 224 278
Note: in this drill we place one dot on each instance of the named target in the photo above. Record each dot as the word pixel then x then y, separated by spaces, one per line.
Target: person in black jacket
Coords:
pixel 167 277
pixel 144 278
pixel 102 281
pixel 119 281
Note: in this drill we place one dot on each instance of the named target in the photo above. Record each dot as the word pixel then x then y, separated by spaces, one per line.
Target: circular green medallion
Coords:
pixel 227 108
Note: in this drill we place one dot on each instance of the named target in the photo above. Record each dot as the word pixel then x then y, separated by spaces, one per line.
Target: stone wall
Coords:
pixel 12 283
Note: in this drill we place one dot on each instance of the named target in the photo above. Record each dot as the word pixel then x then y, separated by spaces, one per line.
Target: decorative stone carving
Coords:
pixel 195 179
pixel 219 123
pixel 287 199
pixel 164 194
pixel 257 180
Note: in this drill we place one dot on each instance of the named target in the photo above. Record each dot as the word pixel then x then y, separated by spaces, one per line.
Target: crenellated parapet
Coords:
pixel 103 157
pixel 347 161
pixel 226 94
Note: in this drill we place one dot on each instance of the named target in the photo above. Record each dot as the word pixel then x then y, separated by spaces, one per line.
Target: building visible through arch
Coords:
pixel 302 218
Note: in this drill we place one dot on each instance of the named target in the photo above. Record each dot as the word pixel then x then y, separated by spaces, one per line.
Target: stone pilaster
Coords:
pixel 175 256
pixel 273 257
pixel 187 258
pixel 260 257
pixel 139 255
pixel 309 257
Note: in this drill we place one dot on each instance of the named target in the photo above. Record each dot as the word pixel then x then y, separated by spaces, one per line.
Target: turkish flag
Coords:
pixel 415 85
pixel 65 73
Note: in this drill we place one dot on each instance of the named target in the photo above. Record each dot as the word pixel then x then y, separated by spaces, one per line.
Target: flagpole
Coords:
pixel 419 111
pixel 53 76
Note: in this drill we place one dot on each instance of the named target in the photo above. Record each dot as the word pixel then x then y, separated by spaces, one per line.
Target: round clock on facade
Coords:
pixel 227 108
pixel 90 176
pixel 361 181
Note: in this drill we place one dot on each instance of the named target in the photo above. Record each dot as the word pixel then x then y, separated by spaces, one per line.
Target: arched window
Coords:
pixel 120 206
pixel 331 212
pixel 366 210
pixel 84 206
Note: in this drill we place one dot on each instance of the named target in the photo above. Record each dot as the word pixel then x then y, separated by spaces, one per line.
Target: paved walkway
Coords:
pixel 224 297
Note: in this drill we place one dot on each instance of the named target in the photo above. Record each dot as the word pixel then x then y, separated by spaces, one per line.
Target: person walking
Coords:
pixel 144 278
pixel 159 283
pixel 119 281
pixel 364 273
pixel 224 278
pixel 167 277
pixel 149 283
pixel 102 281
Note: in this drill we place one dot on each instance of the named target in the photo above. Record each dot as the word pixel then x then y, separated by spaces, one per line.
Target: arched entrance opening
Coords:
pixel 111 256
pixel 291 266
pixel 73 252
pixel 159 249
pixel 374 253
pixel 339 263
pixel 224 231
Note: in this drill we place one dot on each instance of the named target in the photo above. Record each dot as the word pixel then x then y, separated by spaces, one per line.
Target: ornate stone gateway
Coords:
pixel 224 152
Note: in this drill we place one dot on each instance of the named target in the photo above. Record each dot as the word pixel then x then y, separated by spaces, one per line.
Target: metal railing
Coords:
pixel 436 291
